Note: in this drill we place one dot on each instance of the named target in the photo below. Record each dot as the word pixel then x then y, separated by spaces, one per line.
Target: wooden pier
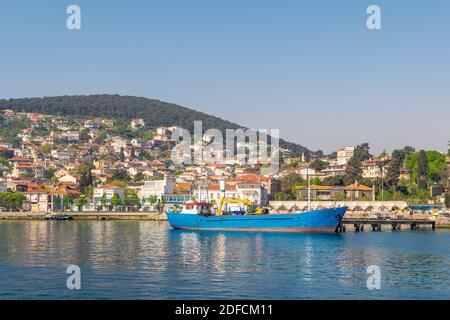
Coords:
pixel 360 224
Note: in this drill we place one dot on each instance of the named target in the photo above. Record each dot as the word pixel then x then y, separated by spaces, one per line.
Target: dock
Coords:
pixel 376 224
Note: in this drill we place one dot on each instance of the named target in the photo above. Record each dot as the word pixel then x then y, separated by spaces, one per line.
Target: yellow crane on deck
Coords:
pixel 250 205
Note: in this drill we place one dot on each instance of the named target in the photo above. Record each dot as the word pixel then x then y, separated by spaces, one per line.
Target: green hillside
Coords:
pixel 154 112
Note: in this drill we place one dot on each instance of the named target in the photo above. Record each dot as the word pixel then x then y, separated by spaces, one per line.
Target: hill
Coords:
pixel 155 113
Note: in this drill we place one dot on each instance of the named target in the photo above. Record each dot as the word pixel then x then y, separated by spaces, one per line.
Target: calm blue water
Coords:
pixel 148 260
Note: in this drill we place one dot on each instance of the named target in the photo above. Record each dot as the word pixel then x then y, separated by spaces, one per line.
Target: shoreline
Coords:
pixel 145 216
pixel 441 223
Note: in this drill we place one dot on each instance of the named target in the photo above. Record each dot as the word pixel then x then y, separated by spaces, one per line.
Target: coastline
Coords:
pixel 441 222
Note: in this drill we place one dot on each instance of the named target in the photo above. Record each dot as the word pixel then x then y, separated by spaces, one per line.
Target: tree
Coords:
pixel 115 200
pixel 139 177
pixel 353 172
pixel 48 173
pixel 80 202
pixel 447 199
pixel 422 169
pixel 153 200
pixel 318 165
pixel 435 170
pixel 361 152
pixel 289 181
pixel 45 148
pixel 393 171
pixel 68 201
pixel 283 196
pixel 436 167
pixel 333 181
pixel 103 200
pixel 11 200
pixel 122 155
pixel 133 200
pixel 407 150
pixel 86 179
pixel 121 175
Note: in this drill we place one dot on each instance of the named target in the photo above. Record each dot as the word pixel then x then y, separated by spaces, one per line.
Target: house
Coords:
pixel 25 167
pixel 358 191
pixel 311 173
pixel 329 193
pixel 37 200
pixel 108 123
pixel 157 188
pixel 371 169
pixel 90 124
pixel 320 192
pixel 344 155
pixel 69 178
pixel 405 174
pixel 334 170
pixel 137 123
pixel 105 193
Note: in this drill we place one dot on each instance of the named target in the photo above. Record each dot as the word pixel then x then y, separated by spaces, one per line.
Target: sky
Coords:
pixel 309 68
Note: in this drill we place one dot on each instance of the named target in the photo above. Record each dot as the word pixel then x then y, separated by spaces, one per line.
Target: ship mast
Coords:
pixel 309 188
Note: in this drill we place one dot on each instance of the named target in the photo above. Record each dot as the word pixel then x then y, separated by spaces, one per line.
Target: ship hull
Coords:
pixel 325 220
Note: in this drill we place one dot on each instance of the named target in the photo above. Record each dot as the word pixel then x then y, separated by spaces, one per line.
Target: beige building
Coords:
pixel 344 154
pixel 371 169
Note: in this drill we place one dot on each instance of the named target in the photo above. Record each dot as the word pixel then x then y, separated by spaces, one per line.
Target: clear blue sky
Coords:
pixel 310 68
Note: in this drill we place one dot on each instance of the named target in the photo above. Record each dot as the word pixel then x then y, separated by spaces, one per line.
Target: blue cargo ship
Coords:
pixel 198 216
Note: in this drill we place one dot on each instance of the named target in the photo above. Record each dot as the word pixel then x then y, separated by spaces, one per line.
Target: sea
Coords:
pixel 149 260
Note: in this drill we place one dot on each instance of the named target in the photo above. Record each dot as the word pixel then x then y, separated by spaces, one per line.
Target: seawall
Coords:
pixel 150 216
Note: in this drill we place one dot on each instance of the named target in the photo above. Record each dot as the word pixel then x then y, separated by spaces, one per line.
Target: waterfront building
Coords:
pixel 157 188
pixel 36 200
pixel 103 194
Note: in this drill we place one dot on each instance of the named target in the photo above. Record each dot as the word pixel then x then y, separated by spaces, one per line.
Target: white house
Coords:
pixel 157 187
pixel 68 178
pixel 108 192
pixel 137 123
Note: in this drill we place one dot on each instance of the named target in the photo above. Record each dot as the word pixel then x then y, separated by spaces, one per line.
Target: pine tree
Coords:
pixel 393 171
pixel 353 172
pixel 422 169
pixel 122 155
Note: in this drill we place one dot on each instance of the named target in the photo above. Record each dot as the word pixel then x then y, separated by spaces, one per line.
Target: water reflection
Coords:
pixel 122 259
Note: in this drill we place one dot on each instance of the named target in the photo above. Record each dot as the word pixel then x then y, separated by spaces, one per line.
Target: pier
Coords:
pixel 376 224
